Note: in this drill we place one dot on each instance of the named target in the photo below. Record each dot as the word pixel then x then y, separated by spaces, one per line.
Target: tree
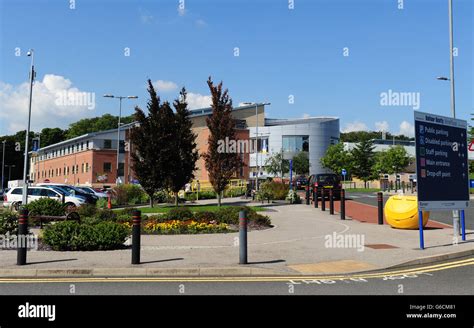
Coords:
pixel 184 148
pixel 363 161
pixel 301 163
pixel 94 124
pixel 153 142
pixel 392 161
pixel 51 136
pixel 277 165
pixel 337 158
pixel 221 166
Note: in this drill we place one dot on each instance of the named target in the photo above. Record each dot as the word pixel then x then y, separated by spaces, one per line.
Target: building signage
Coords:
pixel 441 162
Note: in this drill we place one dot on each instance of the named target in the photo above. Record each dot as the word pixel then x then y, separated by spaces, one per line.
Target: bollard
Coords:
pixel 420 228
pixel 391 186
pixel 109 202
pixel 343 204
pixel 22 237
pixel 380 207
pixel 307 195
pixel 331 202
pixel 242 237
pixel 411 186
pixel 403 186
pixel 315 197
pixel 136 230
pixel 323 201
pixel 463 225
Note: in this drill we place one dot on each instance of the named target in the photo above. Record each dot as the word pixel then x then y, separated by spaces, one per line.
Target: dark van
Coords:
pixel 326 181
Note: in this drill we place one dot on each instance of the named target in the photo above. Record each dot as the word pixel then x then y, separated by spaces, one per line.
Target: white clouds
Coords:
pixel 382 126
pixel 355 126
pixel 196 100
pixel 46 110
pixel 165 86
pixel 407 129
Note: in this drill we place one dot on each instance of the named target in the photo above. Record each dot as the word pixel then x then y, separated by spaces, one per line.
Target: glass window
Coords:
pixel 34 192
pixel 107 167
pixel 295 143
pixel 17 191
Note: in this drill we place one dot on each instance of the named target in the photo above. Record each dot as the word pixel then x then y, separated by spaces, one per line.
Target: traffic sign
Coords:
pixel 441 162
pixel 344 172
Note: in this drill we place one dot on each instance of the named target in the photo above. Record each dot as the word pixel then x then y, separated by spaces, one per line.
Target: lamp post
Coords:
pixel 31 54
pixel 3 165
pixel 456 223
pixel 118 129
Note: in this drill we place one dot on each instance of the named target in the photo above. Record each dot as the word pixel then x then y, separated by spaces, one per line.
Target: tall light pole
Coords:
pixel 3 165
pixel 118 129
pixel 456 223
pixel 31 54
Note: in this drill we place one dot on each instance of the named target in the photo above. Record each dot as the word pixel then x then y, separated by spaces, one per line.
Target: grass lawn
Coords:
pixel 194 208
pixel 362 189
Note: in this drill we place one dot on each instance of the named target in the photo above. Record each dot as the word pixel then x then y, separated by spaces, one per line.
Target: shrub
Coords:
pixel 101 203
pixel 205 216
pixel 8 223
pixel 125 194
pixel 207 195
pixel 72 236
pixel 293 197
pixel 235 192
pixel 46 206
pixel 180 214
pixel 105 215
pixel 87 210
pixel 177 227
pixel 230 215
pixel 270 190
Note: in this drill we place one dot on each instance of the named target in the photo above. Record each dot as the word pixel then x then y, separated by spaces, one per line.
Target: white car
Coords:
pixel 13 198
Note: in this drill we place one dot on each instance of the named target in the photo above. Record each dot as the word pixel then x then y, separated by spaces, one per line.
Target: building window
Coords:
pixel 295 143
pixel 87 144
pixel 82 145
pixel 82 168
pixel 87 167
pixel 77 168
pixel 107 144
pixel 107 167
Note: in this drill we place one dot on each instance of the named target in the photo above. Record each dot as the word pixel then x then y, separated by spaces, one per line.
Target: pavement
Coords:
pixel 297 245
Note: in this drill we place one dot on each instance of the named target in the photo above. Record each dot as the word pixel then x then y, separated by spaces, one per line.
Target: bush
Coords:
pixel 105 215
pixel 207 195
pixel 235 192
pixel 46 206
pixel 180 214
pixel 230 215
pixel 8 223
pixel 270 190
pixel 126 194
pixel 205 216
pixel 293 197
pixel 102 203
pixel 182 227
pixel 72 236
pixel 87 210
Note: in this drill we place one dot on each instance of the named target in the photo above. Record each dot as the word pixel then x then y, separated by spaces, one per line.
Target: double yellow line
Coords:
pixel 385 274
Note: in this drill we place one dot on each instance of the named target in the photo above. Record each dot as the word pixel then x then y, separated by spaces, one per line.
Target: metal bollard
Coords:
pixel 243 237
pixel 331 201
pixel 391 186
pixel 343 204
pixel 307 195
pixel 22 237
pixel 411 186
pixel 315 197
pixel 136 231
pixel 323 200
pixel 403 186
pixel 380 207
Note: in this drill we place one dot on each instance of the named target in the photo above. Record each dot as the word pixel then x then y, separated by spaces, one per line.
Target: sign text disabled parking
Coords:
pixel 441 162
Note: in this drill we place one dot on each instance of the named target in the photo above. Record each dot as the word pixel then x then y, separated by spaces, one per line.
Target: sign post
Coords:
pixel 441 165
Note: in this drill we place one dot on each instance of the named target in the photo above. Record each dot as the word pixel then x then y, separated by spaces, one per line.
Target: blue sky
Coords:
pixel 283 53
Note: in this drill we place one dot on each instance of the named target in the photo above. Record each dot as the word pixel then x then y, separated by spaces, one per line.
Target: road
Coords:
pixel 440 216
pixel 433 279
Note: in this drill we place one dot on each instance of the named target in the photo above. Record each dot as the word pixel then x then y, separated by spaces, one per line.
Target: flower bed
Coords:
pixel 183 227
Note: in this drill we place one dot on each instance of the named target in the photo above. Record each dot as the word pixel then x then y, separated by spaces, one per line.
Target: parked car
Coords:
pixel 326 181
pixel 93 191
pixel 301 182
pixel 90 199
pixel 14 197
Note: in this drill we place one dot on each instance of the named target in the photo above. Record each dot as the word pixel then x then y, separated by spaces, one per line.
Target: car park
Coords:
pixel 90 199
pixel 14 197
pixel 326 181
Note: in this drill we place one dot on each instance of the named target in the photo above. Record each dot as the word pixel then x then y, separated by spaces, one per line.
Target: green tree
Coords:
pixel 301 163
pixel 152 140
pixel 394 160
pixel 51 136
pixel 184 148
pixel 94 124
pixel 277 165
pixel 363 160
pixel 337 158
pixel 221 166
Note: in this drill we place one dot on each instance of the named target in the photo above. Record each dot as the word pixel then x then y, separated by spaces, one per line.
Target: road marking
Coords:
pixel 430 268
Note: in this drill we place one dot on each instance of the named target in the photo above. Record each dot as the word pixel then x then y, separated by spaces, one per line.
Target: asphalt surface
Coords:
pixel 455 277
pixel 440 216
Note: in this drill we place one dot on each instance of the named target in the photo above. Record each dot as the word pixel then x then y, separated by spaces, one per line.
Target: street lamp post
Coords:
pixel 31 54
pixel 118 129
pixel 3 165
pixel 456 223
